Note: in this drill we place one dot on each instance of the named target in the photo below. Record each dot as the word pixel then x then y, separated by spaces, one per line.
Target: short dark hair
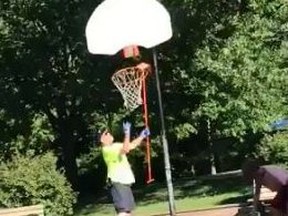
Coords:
pixel 249 169
pixel 100 133
pixel 98 137
pixel 95 135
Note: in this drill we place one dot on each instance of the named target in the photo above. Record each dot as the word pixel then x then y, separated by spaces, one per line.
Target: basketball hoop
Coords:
pixel 129 82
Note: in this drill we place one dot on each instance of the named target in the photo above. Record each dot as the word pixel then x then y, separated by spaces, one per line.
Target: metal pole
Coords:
pixel 164 141
pixel 145 116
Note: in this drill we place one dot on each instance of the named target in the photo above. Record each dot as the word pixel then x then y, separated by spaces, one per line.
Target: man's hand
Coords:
pixel 126 142
pixel 136 142
pixel 126 128
pixel 145 133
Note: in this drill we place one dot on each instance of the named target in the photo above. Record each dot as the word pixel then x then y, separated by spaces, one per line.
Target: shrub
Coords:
pixel 274 148
pixel 27 180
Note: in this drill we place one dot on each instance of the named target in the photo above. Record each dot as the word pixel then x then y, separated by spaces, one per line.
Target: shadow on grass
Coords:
pixel 234 187
pixel 232 200
pixel 90 203
pixel 196 188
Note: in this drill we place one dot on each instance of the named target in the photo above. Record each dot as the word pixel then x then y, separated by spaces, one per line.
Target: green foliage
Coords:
pixel 92 170
pixel 45 68
pixel 236 77
pixel 273 148
pixel 184 130
pixel 90 161
pixel 244 82
pixel 34 141
pixel 34 180
pixel 228 63
pixel 41 133
pixel 39 137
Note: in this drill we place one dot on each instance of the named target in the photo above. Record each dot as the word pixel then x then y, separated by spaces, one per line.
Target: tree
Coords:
pixel 45 68
pixel 235 80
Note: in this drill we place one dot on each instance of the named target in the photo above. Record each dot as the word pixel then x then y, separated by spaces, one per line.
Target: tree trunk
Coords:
pixel 67 143
pixel 213 169
pixel 212 164
pixel 69 162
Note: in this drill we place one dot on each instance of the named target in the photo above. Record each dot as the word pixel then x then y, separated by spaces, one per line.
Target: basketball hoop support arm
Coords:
pixel 145 116
pixel 164 141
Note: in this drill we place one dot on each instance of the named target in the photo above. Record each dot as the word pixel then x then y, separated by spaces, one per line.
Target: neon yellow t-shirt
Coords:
pixel 118 167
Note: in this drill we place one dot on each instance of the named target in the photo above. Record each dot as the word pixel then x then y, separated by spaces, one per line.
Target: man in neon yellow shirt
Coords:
pixel 119 171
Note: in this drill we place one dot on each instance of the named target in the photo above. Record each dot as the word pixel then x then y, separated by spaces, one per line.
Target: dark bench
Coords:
pixel 265 194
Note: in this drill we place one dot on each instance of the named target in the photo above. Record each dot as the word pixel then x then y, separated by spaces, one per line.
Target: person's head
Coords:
pixel 249 170
pixel 106 138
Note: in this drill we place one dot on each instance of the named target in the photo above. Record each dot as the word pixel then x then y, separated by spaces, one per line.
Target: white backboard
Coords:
pixel 115 24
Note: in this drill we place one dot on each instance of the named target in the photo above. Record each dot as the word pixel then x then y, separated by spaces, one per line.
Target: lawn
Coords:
pixel 189 195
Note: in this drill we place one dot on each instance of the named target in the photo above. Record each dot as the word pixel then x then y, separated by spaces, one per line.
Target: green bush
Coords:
pixel 274 148
pixel 36 140
pixel 30 180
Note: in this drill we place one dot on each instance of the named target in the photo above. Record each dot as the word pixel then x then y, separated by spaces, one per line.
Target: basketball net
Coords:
pixel 129 81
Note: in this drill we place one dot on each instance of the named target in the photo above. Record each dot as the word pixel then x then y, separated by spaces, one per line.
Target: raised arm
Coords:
pixel 127 145
pixel 126 141
pixel 136 142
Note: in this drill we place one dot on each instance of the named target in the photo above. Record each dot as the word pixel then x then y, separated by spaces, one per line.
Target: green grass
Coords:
pixel 189 195
pixel 184 204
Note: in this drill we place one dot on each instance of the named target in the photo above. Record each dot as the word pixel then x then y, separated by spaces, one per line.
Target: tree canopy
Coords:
pixel 223 75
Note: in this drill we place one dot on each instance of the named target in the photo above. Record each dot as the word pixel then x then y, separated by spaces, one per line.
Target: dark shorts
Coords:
pixel 122 196
pixel 280 201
